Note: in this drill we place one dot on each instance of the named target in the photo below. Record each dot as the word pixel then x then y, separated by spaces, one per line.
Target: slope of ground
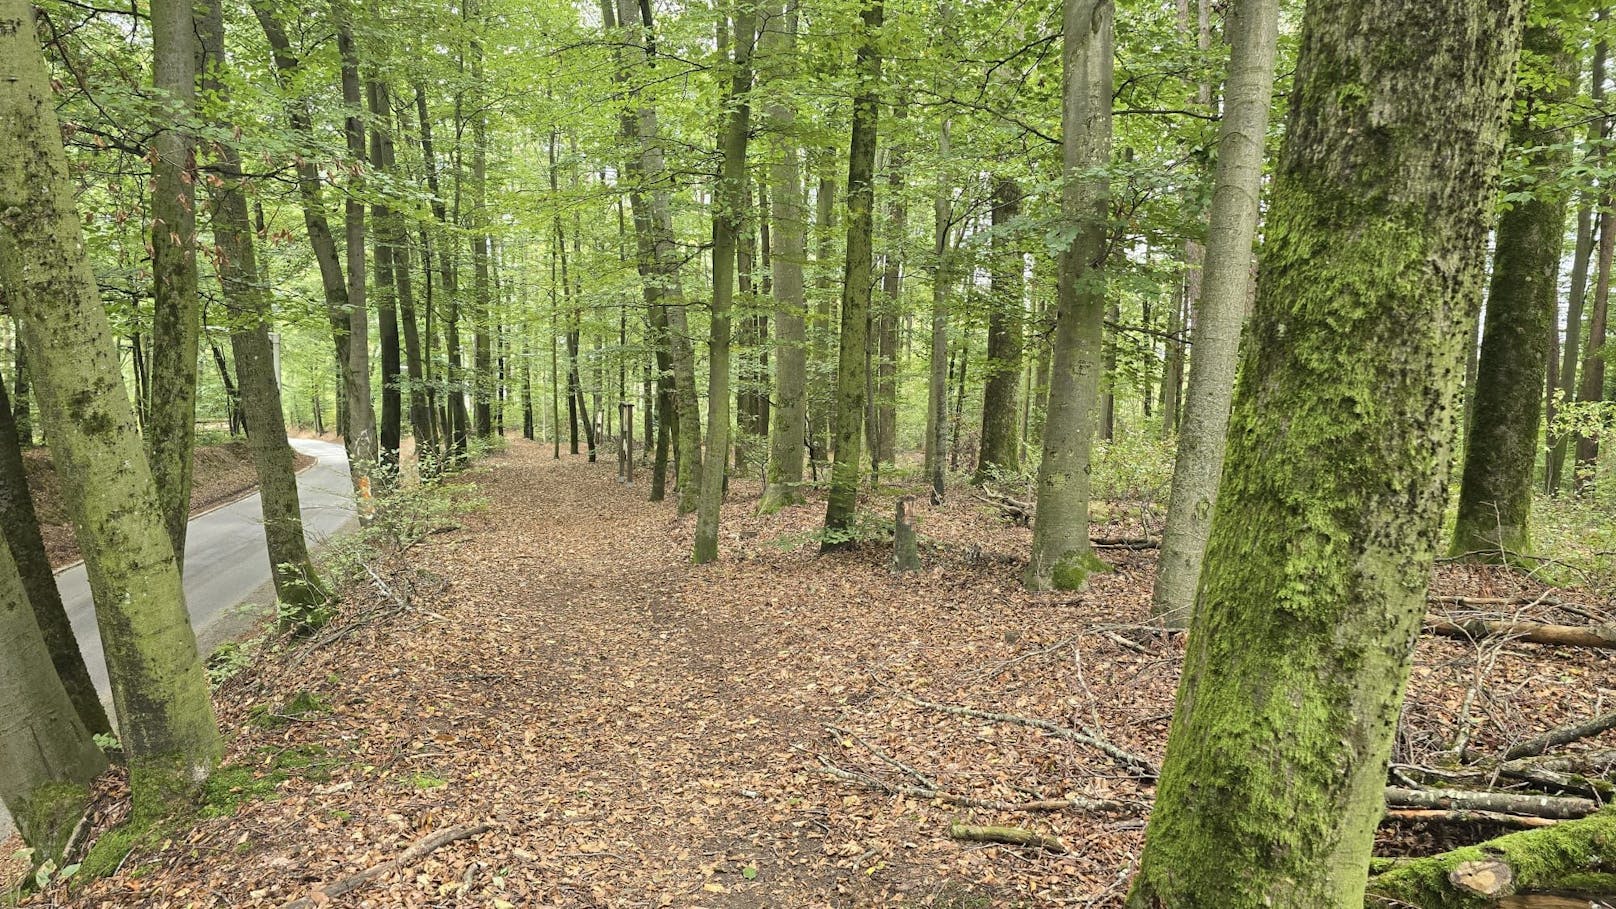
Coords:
pixel 222 473
pixel 638 732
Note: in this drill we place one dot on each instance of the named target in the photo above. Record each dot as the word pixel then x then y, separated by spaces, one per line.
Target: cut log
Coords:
pixel 1014 836
pixel 1599 636
pixel 1561 736
pixel 1530 805
pixel 1569 864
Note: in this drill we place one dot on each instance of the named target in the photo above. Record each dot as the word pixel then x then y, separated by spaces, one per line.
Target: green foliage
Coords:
pixel 1135 465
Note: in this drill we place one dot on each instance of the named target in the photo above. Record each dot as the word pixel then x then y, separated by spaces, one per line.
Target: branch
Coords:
pixel 422 848
pixel 1129 761
pixel 1014 836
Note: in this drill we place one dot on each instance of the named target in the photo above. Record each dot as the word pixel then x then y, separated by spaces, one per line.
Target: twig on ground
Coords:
pixel 422 848
pixel 1129 761
pixel 1013 836
pixel 964 801
pixel 1563 735
pixel 923 779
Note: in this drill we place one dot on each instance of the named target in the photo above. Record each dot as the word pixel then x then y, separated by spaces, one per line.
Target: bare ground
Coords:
pixel 637 731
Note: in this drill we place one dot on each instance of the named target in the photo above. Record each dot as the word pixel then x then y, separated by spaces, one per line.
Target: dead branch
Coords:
pixel 921 778
pixel 1012 509
pixel 1600 636
pixel 1014 836
pixel 1554 737
pixel 1556 807
pixel 931 794
pixel 1125 542
pixel 1466 816
pixel 1587 762
pixel 422 848
pixel 1129 761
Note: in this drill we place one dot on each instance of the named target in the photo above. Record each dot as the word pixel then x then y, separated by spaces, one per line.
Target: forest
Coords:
pixel 807 453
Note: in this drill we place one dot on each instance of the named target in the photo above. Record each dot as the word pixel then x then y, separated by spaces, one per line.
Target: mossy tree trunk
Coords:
pixel 1000 450
pixel 1252 29
pixel 852 370
pixel 246 294
pixel 787 258
pixel 47 757
pixel 1061 555
pixel 176 316
pixel 1341 441
pixel 1495 494
pixel 729 221
pixel 158 685
pixel 19 530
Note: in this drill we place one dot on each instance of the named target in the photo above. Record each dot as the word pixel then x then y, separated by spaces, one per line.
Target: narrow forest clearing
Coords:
pixel 637 731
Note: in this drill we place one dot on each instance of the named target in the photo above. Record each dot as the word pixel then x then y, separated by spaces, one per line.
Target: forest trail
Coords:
pixel 640 732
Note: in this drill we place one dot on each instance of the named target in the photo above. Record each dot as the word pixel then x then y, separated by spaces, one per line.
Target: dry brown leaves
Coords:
pixel 641 732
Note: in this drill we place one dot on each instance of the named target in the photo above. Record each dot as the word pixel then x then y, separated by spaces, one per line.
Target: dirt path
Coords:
pixel 641 732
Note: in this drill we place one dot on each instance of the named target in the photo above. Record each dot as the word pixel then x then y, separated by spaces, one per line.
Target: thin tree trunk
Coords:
pixel 482 357
pixel 21 412
pixel 388 249
pixel 362 440
pixel 159 689
pixel 787 258
pixel 1252 27
pixel 176 319
pixel 852 361
pixel 885 405
pixel 941 283
pixel 1591 388
pixel 1061 555
pixel 1325 531
pixel 729 222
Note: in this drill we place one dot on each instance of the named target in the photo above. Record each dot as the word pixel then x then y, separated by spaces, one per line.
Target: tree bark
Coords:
pixel 789 253
pixel 1000 448
pixel 729 220
pixel 852 370
pixel 19 528
pixel 941 284
pixel 1495 494
pixel 1252 28
pixel 1591 388
pixel 883 446
pixel 176 318
pixel 1062 558
pixel 482 356
pixel 158 685
pixel 1326 526
pixel 387 242
pixel 363 445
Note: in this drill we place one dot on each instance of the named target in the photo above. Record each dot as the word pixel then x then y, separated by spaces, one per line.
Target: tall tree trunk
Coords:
pixel 1061 555
pixel 388 249
pixel 729 222
pixel 941 284
pixel 297 584
pixel 1560 443
pixel 176 319
pixel 20 411
pixel 852 360
pixel 362 441
pixel 1000 450
pixel 1252 29
pixel 1495 494
pixel 482 357
pixel 1172 380
pixel 821 326
pixel 787 258
pixel 885 405
pixel 1591 388
pixel 1341 442
pixel 19 529
pixel 159 689
pixel 665 258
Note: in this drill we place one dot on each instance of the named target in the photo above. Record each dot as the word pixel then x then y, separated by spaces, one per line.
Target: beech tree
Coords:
pixel 1325 529
pixel 159 689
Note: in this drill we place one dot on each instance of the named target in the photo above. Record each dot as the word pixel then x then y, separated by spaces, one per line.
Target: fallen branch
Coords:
pixel 1586 762
pixel 921 778
pixel 422 848
pixel 931 794
pixel 1466 816
pixel 1599 636
pixel 1543 806
pixel 1528 868
pixel 1554 737
pixel 1124 543
pixel 1129 761
pixel 1013 836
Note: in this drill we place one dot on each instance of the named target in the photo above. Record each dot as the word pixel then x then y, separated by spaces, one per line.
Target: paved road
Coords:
pixel 226 563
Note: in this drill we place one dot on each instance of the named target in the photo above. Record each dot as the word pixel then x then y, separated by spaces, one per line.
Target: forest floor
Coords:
pixel 221 473
pixel 636 731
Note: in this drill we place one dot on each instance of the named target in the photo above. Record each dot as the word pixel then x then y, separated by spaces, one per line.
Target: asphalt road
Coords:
pixel 227 581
